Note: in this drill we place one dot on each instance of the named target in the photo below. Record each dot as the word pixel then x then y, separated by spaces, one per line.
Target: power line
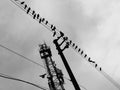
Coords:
pixel 25 57
pixel 30 60
pixel 20 80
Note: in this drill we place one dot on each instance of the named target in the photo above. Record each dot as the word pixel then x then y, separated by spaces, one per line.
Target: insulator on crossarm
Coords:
pixel 61 35
pixel 100 69
pixel 66 46
pixel 28 10
pixel 64 39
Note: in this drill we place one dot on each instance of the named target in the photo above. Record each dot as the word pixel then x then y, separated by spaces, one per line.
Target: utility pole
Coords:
pixel 60 52
pixel 54 75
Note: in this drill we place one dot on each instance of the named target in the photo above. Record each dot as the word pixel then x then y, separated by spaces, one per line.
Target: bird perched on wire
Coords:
pixel 43 76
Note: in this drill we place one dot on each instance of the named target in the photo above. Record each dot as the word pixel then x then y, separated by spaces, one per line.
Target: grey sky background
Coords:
pixel 93 24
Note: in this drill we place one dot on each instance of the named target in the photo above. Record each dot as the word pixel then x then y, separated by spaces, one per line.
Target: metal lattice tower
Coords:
pixel 54 75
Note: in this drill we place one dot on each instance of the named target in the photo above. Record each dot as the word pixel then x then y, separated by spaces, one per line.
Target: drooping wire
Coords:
pixel 25 57
pixel 76 48
pixel 14 52
pixel 20 80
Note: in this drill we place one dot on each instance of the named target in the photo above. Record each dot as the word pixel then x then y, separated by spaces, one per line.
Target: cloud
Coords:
pixel 93 24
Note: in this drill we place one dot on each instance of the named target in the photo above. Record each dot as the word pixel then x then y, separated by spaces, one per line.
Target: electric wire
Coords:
pixel 12 51
pixel 25 57
pixel 20 80
pixel 96 67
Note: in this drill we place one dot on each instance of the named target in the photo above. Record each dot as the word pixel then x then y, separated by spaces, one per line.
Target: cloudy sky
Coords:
pixel 93 24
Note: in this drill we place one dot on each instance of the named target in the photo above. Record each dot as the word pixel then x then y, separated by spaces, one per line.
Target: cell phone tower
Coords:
pixel 54 75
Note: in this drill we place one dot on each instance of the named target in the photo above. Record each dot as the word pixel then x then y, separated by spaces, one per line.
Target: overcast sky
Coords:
pixel 93 24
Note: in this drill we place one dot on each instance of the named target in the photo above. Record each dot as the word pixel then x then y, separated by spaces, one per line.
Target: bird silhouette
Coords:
pixel 43 76
pixel 46 22
pixel 85 56
pixel 38 16
pixel 79 50
pixel 76 47
pixel 53 28
pixel 22 2
pixel 54 33
pixel 33 12
pixel 82 52
pixel 73 44
pixel 25 6
pixel 95 65
pixel 43 19
pixel 28 10
pixel 40 20
pixel 34 16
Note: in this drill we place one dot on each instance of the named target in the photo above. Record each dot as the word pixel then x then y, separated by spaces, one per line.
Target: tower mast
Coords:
pixel 54 75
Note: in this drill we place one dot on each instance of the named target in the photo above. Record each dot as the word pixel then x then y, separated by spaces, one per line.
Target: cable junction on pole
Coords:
pixel 60 34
